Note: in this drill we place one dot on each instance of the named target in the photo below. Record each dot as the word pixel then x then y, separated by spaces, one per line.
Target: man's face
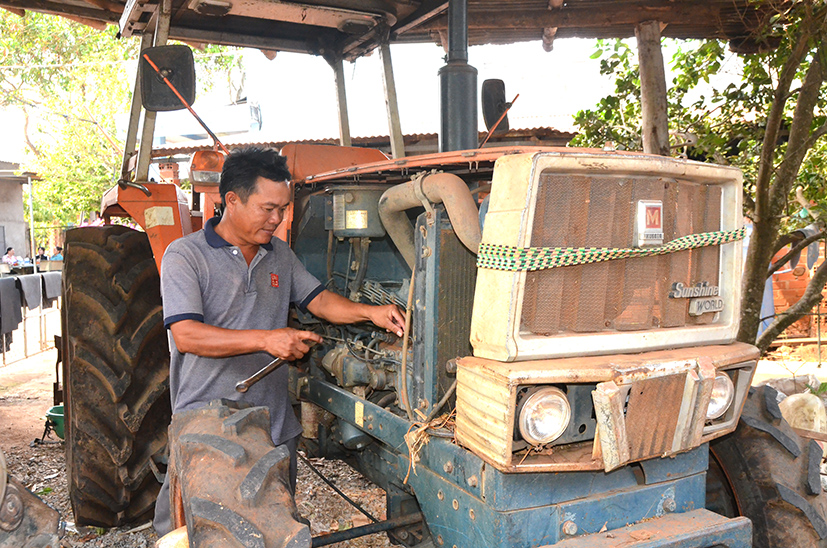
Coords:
pixel 256 220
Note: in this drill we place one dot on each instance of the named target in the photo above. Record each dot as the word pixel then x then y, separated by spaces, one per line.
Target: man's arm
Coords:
pixel 194 337
pixel 337 309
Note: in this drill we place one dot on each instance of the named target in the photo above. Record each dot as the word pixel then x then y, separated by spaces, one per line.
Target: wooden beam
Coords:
pixel 107 5
pixel 54 8
pixel 652 89
pixel 426 10
pixel 16 11
pixel 548 38
pixel 94 23
pixel 612 15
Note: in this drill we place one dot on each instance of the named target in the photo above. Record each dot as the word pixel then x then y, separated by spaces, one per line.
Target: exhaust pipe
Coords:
pixel 445 188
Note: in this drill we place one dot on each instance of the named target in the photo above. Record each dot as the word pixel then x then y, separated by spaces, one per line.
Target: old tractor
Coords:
pixel 569 378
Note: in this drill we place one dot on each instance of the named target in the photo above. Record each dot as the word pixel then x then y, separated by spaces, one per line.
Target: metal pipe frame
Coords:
pixel 341 102
pixel 391 103
pixel 148 131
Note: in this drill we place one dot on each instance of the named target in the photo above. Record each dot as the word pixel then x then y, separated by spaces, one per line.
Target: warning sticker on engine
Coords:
pixel 359 414
pixel 357 219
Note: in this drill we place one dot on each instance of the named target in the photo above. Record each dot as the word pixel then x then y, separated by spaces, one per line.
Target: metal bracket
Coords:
pixel 417 181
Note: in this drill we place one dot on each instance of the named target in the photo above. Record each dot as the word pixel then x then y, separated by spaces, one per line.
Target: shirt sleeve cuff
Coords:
pixel 307 300
pixel 179 317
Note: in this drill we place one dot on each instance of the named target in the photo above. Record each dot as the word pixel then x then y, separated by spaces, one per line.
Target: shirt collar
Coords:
pixel 217 241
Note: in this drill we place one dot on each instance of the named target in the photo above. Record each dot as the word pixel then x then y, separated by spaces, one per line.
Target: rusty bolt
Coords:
pixel 440 495
pixel 472 514
pixel 570 528
pixel 402 535
pixel 669 505
pixel 455 504
pixel 370 427
pixel 448 467
pixel 439 540
pixel 472 481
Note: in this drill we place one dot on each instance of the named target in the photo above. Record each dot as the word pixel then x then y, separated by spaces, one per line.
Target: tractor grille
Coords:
pixel 622 295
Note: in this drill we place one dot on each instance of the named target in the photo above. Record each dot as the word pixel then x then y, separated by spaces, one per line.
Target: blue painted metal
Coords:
pixel 466 502
pixel 444 299
pixel 509 509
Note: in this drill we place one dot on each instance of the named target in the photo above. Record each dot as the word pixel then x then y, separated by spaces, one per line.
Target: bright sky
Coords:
pixel 298 95
pixel 298 98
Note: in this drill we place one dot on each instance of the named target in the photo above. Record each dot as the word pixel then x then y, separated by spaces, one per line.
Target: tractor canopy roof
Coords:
pixel 347 29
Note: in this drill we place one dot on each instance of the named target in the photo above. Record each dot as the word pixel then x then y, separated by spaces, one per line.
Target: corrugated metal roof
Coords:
pixel 538 134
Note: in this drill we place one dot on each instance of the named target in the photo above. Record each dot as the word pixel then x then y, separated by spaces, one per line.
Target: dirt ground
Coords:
pixel 26 395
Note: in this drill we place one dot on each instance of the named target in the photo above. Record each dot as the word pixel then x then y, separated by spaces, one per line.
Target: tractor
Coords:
pixel 569 376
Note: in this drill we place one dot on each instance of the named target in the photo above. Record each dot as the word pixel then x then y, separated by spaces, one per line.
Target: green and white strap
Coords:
pixel 506 257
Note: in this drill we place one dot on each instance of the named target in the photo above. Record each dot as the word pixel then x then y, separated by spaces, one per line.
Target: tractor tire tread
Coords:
pixel 116 374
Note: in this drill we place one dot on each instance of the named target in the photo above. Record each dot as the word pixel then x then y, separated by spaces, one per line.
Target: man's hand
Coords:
pixel 388 316
pixel 336 309
pixel 289 343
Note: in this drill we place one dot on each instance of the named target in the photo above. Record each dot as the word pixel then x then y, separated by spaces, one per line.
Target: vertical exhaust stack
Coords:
pixel 458 85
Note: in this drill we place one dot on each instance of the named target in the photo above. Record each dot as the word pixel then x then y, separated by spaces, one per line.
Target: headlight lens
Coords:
pixel 545 415
pixel 723 392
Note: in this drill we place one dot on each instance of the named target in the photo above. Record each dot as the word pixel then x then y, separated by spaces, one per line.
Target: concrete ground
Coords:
pixel 768 369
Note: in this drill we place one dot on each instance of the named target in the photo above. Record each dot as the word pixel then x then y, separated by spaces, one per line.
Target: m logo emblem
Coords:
pixel 274 280
pixel 648 223
pixel 653 219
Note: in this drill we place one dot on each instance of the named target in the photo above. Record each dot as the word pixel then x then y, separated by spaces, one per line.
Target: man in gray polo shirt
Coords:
pixel 226 292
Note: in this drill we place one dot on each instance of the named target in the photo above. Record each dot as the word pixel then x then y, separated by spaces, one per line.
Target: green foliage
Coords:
pixel 72 82
pixel 724 122
pixel 817 390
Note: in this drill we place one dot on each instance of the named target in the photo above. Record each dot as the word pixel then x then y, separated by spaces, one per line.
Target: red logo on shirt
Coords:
pixel 274 280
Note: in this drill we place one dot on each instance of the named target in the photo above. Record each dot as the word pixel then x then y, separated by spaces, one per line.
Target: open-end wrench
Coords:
pixel 244 385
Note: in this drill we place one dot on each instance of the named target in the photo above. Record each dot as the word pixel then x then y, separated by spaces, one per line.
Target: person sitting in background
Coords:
pixel 10 257
pixel 58 256
pixel 41 254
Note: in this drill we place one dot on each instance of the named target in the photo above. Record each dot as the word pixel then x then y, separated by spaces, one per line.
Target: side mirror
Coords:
pixel 178 66
pixel 494 104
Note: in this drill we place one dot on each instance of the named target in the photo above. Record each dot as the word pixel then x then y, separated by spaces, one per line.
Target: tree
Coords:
pixel 71 81
pixel 770 124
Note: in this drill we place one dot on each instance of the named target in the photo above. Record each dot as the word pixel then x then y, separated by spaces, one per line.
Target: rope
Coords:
pixel 506 257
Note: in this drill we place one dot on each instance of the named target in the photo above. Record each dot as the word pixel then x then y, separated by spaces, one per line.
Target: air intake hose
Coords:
pixel 445 188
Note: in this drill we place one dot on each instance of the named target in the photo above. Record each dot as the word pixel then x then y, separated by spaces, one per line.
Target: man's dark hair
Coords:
pixel 244 166
pixel 41 248
pixel 9 249
pixel 59 248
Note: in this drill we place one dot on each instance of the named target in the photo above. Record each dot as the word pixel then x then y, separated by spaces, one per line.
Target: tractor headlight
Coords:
pixel 723 392
pixel 544 416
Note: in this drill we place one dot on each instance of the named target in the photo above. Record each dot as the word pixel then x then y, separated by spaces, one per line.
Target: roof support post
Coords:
pixel 391 103
pixel 134 114
pixel 160 37
pixel 652 89
pixel 341 101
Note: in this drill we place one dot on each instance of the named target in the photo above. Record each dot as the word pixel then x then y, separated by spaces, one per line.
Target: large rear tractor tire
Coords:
pixel 229 483
pixel 116 375
pixel 766 472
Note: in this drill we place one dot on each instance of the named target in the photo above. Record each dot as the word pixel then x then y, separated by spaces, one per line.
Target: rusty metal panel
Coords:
pixel 581 211
pixel 652 414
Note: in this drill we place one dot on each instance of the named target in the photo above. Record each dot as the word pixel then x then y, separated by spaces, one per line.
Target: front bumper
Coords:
pixel 694 529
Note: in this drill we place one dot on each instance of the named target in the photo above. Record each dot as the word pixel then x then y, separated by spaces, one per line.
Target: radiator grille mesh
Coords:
pixel 625 294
